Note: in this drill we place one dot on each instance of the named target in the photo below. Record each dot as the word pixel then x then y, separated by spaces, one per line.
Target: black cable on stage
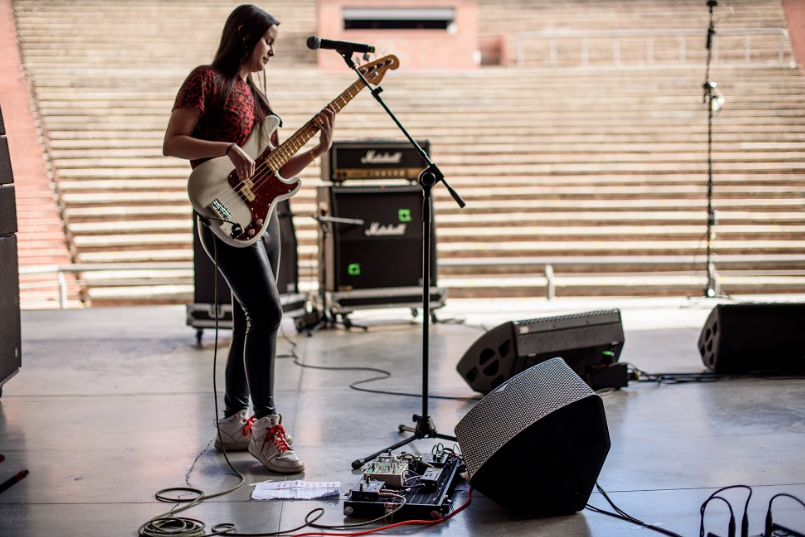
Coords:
pixel 383 374
pixel 622 515
pixel 768 523
pixel 704 376
pixel 169 525
pixel 744 518
pixel 732 515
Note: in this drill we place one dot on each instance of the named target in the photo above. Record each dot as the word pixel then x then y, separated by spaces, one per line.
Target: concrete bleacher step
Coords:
pixel 547 165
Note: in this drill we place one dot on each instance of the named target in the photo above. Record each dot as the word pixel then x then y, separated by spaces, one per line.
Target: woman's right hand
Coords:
pixel 244 165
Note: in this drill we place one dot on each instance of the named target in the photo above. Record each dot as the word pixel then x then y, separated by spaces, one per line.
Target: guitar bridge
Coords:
pixel 220 210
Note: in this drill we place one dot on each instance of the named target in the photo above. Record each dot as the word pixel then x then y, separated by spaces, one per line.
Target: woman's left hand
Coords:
pixel 325 121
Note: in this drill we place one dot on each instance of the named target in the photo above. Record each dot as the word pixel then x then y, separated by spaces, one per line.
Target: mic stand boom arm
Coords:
pixel 432 167
pixel 431 175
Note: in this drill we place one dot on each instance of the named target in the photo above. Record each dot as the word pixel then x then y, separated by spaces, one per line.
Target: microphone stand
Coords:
pixel 712 289
pixel 429 177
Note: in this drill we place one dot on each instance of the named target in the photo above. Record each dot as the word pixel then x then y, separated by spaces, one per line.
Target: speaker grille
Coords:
pixel 573 320
pixel 535 393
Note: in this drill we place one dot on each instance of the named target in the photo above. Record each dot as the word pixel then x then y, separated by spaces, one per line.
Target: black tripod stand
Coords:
pixel 424 426
pixel 714 101
pixel 316 319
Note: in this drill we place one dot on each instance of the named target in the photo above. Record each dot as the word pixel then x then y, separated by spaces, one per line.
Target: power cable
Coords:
pixel 622 515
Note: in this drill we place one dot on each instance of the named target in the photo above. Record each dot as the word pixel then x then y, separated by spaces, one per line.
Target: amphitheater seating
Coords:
pixel 598 173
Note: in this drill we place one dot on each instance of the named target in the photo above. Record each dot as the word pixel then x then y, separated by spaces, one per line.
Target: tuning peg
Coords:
pixel 357 59
pixel 366 56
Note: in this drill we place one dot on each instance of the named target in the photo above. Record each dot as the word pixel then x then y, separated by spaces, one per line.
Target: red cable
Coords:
pixel 405 523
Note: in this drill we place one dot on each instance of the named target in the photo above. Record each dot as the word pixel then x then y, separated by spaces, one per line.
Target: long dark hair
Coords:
pixel 244 27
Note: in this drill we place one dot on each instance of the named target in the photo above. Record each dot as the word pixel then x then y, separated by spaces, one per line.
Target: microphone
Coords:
pixel 315 42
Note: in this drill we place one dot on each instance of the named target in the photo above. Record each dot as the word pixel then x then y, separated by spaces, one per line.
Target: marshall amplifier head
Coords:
pixel 373 159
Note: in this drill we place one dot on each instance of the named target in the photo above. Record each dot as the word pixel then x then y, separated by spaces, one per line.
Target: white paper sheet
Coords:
pixel 296 490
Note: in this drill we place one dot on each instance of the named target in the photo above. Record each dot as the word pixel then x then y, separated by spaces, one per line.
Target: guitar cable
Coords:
pixel 169 525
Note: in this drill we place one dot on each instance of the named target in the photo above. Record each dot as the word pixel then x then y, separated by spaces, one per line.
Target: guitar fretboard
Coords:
pixel 292 145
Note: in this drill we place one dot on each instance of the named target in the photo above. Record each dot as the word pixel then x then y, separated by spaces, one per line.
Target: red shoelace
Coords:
pixel 249 427
pixel 277 435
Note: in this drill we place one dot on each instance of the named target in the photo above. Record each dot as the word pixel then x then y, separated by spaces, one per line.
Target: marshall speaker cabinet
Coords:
pixel 377 263
pixel 10 328
pixel 201 314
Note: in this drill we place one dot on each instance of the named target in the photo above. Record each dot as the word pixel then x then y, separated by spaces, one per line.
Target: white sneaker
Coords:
pixel 236 432
pixel 270 446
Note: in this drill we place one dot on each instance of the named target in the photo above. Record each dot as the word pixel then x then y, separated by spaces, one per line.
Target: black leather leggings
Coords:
pixel 251 273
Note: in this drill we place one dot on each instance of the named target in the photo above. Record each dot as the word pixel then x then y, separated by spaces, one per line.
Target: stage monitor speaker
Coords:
pixel 10 329
pixel 202 314
pixel 386 250
pixel 754 337
pixel 590 343
pixel 536 443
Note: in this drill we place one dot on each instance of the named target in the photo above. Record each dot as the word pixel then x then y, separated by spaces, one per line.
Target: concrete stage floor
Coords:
pixel 113 404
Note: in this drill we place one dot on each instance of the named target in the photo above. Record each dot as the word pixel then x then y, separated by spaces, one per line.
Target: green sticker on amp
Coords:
pixel 354 269
pixel 404 215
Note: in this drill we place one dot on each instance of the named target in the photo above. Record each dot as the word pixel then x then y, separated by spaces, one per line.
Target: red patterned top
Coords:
pixel 202 90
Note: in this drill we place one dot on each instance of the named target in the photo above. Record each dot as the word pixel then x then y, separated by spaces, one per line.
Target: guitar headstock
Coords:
pixel 376 70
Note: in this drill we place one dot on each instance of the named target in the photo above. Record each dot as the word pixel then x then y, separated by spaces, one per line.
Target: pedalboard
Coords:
pixel 425 482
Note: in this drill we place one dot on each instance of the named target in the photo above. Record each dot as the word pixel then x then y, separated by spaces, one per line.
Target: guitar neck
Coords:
pixel 292 145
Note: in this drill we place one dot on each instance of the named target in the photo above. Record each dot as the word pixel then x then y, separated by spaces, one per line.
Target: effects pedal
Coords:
pixel 368 490
pixel 388 469
pixel 425 483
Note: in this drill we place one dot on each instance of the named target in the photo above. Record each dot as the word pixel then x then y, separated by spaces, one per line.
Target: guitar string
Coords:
pixel 357 86
pixel 261 177
pixel 289 149
pixel 265 170
pixel 370 72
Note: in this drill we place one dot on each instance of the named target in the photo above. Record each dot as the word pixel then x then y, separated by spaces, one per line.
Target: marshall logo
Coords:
pixel 373 157
pixel 376 230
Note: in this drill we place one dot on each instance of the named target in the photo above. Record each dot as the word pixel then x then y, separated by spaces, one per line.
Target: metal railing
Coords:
pixel 62 270
pixel 547 265
pixel 551 39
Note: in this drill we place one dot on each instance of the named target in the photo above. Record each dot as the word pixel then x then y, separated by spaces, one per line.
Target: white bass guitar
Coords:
pixel 238 211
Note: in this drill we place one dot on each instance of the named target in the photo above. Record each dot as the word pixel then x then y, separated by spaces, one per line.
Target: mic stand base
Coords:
pixel 424 428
